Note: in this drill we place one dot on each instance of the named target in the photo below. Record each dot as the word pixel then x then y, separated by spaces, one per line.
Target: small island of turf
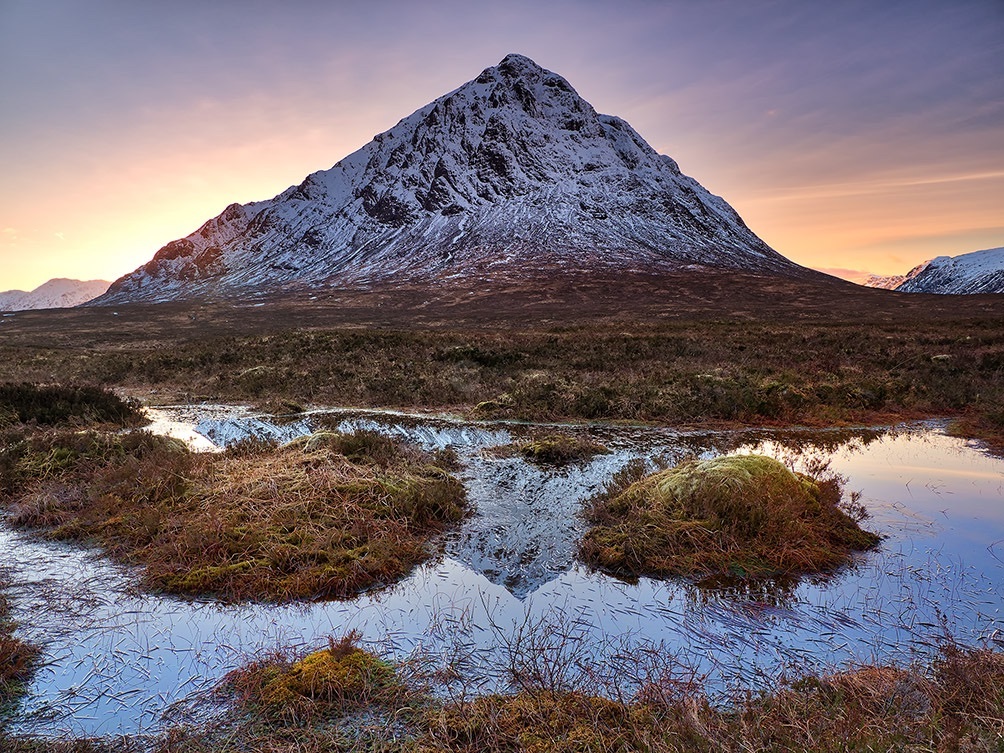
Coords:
pixel 324 517
pixel 552 449
pixel 743 516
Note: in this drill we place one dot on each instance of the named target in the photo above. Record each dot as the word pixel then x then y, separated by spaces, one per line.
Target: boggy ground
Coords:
pixel 342 698
pixel 325 517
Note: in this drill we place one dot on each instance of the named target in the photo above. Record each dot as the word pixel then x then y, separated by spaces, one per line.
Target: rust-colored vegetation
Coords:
pixel 345 698
pixel 743 516
pixel 325 517
pixel 18 659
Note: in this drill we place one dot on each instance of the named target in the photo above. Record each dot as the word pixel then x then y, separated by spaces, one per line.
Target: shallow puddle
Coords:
pixel 508 586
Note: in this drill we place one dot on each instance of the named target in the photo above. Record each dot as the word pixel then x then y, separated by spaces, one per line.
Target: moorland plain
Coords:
pixel 698 350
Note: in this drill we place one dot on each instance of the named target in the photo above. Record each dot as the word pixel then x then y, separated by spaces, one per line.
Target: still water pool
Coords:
pixel 508 586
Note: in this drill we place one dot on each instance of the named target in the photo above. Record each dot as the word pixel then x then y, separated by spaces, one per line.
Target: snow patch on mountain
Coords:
pixel 57 293
pixel 512 173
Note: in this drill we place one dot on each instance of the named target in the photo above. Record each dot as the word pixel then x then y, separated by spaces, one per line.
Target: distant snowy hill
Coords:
pixel 892 282
pixel 976 272
pixel 511 175
pixel 57 293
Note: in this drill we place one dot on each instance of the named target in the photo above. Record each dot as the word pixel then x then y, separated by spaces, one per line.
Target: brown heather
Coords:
pixel 62 405
pixel 260 522
pixel 707 349
pixel 343 698
pixel 733 517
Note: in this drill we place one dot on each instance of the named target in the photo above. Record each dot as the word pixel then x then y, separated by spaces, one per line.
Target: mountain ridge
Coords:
pixel 59 292
pixel 966 274
pixel 509 173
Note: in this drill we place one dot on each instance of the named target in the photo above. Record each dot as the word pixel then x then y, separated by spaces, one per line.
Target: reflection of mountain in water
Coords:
pixel 118 659
pixel 526 518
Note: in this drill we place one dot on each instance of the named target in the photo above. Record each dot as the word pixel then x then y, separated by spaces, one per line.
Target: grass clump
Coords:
pixel 541 721
pixel 552 449
pixel 559 449
pixel 261 522
pixel 60 405
pixel 332 682
pixel 340 698
pixel 744 516
pixel 18 659
pixel 958 704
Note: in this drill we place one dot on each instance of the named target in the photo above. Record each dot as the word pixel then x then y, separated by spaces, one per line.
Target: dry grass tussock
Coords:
pixel 343 698
pixel 324 517
pixel 18 659
pixel 552 449
pixel 737 517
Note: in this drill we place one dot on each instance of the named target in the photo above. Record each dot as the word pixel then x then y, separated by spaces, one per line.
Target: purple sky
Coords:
pixel 849 135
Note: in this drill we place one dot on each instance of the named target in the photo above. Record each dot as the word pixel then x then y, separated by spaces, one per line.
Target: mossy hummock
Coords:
pixel 743 516
pixel 559 449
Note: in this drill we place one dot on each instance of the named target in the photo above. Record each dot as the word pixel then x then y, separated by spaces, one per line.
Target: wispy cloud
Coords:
pixel 867 187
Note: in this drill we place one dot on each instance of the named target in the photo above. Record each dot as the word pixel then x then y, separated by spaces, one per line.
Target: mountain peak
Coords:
pixel 515 64
pixel 511 174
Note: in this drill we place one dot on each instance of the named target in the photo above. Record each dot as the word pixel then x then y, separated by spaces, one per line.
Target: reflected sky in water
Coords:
pixel 117 660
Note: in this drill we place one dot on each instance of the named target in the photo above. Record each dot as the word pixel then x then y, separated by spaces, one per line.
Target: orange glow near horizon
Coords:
pixel 846 145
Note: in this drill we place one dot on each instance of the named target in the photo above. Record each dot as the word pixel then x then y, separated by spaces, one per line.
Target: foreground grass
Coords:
pixel 343 698
pixel 738 517
pixel 18 659
pixel 325 517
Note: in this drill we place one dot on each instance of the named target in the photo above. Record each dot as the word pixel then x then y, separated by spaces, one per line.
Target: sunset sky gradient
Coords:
pixel 855 136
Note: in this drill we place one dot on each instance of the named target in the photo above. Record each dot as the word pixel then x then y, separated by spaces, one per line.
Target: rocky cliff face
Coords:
pixel 513 174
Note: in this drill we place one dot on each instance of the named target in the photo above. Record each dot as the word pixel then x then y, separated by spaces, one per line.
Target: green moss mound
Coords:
pixel 743 516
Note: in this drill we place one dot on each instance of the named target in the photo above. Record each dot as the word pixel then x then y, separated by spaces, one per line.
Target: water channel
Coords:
pixel 119 661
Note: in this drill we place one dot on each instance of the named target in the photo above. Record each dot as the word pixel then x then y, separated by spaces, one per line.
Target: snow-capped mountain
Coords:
pixel 55 294
pixel 512 174
pixel 976 272
pixel 892 282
